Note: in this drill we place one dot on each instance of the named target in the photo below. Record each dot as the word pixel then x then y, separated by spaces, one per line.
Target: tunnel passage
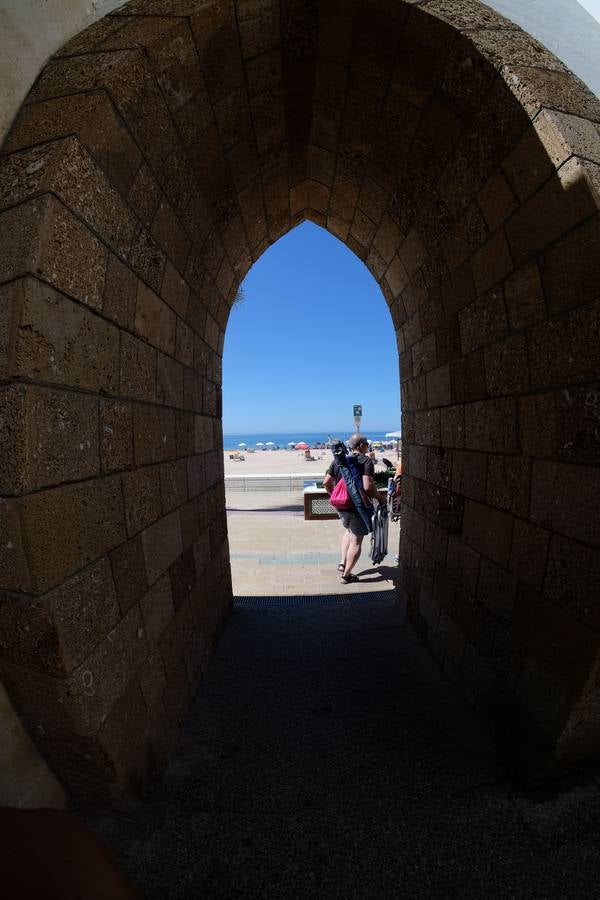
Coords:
pixel 157 156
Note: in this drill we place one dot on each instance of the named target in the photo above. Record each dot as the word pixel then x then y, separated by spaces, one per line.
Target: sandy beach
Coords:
pixel 278 462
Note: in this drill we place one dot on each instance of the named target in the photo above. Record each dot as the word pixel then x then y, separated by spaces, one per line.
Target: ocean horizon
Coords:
pixel 280 439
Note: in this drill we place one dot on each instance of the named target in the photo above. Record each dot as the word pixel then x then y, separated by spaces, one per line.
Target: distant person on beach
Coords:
pixel 353 524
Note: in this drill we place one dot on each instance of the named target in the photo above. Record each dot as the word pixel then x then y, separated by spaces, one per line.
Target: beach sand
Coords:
pixel 286 462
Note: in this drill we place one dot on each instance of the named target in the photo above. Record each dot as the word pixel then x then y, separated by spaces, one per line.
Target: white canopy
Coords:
pixel 393 434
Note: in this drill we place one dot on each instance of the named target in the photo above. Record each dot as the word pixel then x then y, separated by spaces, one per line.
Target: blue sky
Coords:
pixel 288 363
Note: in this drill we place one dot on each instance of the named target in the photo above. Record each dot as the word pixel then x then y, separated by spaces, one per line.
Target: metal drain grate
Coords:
pixel 313 600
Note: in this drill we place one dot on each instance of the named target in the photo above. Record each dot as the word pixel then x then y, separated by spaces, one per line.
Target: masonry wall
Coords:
pixel 158 155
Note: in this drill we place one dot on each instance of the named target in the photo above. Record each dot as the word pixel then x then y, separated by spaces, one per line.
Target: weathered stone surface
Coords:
pixel 57 341
pixel 565 350
pixel 529 553
pixel 572 579
pixel 129 572
pixel 137 368
pixel 157 609
pixel 524 297
pixel 64 252
pixel 488 531
pixel 141 496
pixel 92 523
pixel 169 381
pixel 491 425
pixel 116 435
pixel 119 293
pixel 153 434
pixel 483 322
pixel 14 567
pixel 508 483
pixel 566 498
pixel 579 251
pixel 469 474
pixel 162 545
pixel 55 633
pixel 497 589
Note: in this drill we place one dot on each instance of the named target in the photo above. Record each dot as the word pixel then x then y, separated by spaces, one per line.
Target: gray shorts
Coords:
pixel 352 522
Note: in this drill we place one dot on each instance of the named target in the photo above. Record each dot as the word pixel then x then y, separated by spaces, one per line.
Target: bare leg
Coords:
pixel 352 552
pixel 344 550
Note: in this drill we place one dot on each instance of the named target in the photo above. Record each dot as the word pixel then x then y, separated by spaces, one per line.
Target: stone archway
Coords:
pixel 157 156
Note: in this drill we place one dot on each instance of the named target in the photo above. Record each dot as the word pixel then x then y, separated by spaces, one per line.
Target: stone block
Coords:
pixel 137 368
pixel 508 483
pixel 447 340
pixel 563 202
pixel 154 320
pixel 539 428
pixel 120 288
pixel 94 119
pixel 529 553
pixel 462 563
pixel 416 463
pixel 524 297
pixel 572 579
pixel 152 678
pixel 563 136
pixel 438 386
pixel 482 630
pixel 157 609
pixel 496 201
pixel 528 165
pixel 141 496
pixel 490 425
pixel 483 321
pixel 92 198
pixel 506 366
pixel 129 572
pixel 452 426
pixel 507 655
pixel 46 437
pixel 14 568
pixel 183 577
pixel 148 261
pixel 60 342
pixel 423 355
pixel 469 233
pixel 458 289
pixel 477 673
pixel 578 414
pixel 173 485
pixel 92 523
pixel 427 426
pixel 55 633
pixel 488 531
pixel 144 195
pixel 565 350
pixel 497 589
pixel 162 545
pixel 169 381
pixel 175 290
pixel 121 734
pixel 491 263
pixel 174 639
pixel 542 695
pixel 116 435
pixel 81 703
pixel 153 434
pixel 469 474
pixel 184 345
pixel 439 466
pixel 467 377
pixel 63 252
pixel 566 498
pixel 570 268
pixel 536 88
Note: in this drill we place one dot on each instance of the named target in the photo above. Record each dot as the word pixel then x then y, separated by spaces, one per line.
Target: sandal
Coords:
pixel 349 579
pixel 341 567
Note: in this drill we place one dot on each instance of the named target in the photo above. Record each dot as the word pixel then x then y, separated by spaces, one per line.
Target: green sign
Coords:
pixel 357 411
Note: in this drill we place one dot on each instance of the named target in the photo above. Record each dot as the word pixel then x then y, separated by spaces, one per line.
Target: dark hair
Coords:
pixel 355 440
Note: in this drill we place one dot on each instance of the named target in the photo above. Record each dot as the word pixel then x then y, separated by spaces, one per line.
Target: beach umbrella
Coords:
pixel 270 444
pixel 291 443
pixel 242 444
pixel 259 444
pixel 301 446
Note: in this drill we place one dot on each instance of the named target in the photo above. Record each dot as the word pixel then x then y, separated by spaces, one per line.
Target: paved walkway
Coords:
pixel 275 551
pixel 327 756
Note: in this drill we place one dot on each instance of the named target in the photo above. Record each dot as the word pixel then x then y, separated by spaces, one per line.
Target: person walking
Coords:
pixel 354 527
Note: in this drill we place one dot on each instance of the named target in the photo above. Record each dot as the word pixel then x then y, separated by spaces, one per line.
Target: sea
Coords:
pixel 233 441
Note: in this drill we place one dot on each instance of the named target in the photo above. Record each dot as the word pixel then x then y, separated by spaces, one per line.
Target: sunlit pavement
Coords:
pixel 274 551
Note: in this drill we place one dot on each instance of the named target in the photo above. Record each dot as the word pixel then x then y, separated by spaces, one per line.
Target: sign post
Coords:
pixel 357 416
